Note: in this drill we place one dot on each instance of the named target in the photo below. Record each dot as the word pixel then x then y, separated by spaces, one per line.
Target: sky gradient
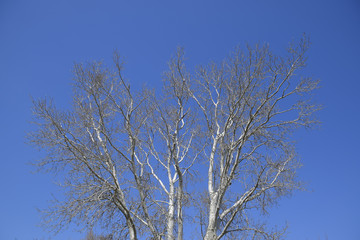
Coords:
pixel 40 41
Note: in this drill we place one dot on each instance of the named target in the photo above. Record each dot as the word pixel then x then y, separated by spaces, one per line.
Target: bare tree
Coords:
pixel 251 103
pixel 95 145
pixel 128 157
pixel 92 236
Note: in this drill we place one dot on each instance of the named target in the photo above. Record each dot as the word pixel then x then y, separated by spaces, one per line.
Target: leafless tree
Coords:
pixel 251 103
pixel 92 236
pixel 133 160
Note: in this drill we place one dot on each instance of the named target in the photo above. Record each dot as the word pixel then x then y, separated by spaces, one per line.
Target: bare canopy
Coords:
pixel 203 158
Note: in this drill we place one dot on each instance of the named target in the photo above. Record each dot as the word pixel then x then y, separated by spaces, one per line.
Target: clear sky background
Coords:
pixel 40 41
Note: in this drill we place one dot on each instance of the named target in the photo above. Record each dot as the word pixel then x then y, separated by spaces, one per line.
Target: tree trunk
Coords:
pixel 171 220
pixel 132 230
pixel 213 212
pixel 180 208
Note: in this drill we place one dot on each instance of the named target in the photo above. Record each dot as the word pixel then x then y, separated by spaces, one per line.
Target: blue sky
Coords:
pixel 40 41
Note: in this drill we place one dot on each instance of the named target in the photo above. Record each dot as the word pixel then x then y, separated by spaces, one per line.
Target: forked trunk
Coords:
pixel 132 230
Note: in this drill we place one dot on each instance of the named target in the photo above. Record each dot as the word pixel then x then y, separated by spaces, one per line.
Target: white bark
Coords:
pixel 135 157
pixel 171 213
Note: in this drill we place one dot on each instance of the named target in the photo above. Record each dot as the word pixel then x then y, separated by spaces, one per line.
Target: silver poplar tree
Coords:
pixel 139 163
